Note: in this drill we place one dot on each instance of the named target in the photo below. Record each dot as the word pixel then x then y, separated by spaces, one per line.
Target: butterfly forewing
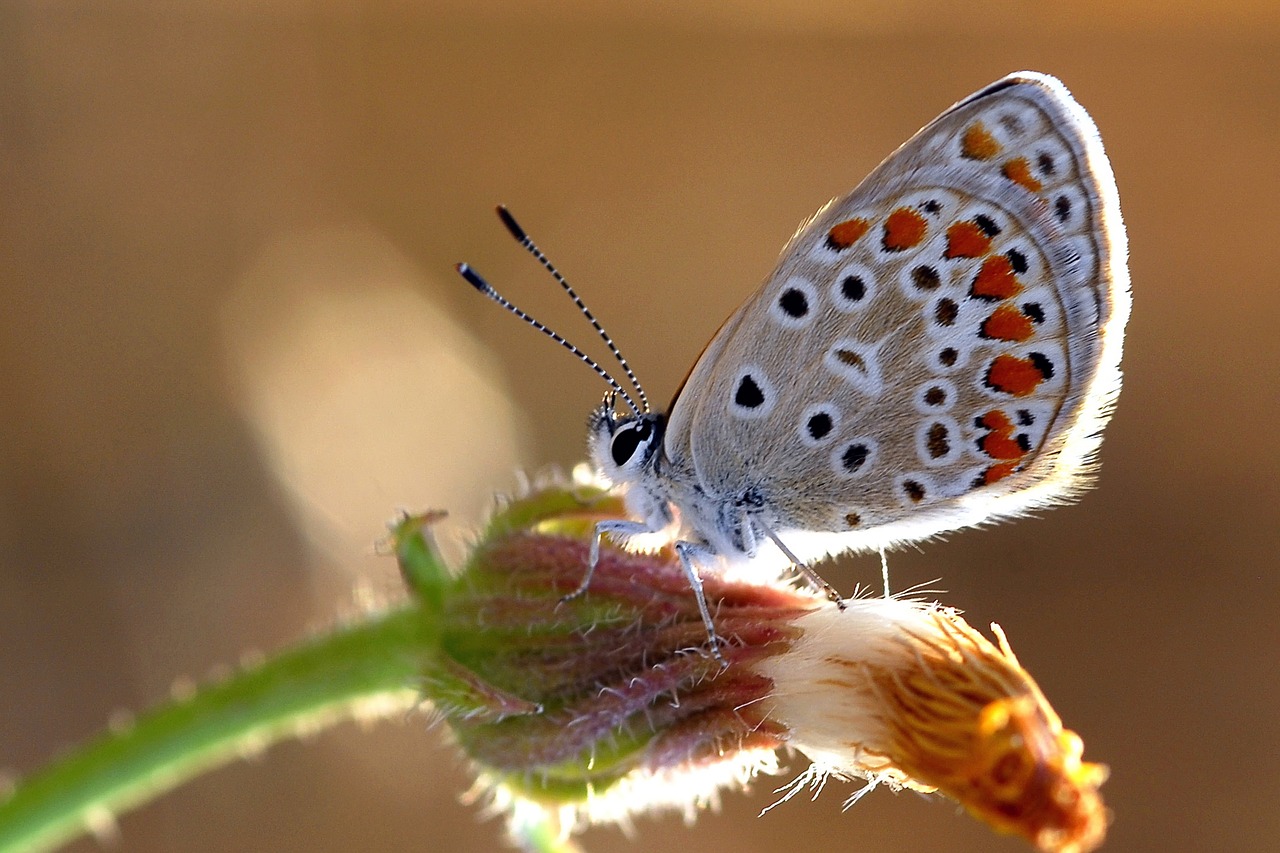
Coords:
pixel 939 347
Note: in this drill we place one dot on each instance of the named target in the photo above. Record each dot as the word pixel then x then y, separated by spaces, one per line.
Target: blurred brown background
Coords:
pixel 231 345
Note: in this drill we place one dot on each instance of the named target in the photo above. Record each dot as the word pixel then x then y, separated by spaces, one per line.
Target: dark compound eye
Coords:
pixel 626 441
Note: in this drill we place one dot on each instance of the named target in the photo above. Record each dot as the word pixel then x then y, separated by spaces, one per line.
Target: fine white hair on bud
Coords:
pixel 828 687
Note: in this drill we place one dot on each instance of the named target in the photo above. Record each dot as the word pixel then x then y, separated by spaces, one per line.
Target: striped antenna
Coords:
pixel 475 280
pixel 532 248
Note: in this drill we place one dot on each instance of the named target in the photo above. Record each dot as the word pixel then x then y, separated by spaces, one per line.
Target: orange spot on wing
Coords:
pixel 1018 170
pixel 998 472
pixel 1008 323
pixel 996 279
pixel 903 229
pixel 977 143
pixel 966 240
pixel 1013 375
pixel 999 443
pixel 845 234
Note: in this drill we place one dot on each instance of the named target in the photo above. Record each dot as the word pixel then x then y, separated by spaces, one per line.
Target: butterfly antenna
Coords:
pixel 532 248
pixel 475 280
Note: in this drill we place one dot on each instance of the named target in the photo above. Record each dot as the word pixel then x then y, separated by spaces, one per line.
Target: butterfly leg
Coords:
pixel 616 526
pixel 815 580
pixel 687 551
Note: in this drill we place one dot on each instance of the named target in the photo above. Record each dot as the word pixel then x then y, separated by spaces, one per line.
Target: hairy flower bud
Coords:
pixel 609 704
pixel 908 694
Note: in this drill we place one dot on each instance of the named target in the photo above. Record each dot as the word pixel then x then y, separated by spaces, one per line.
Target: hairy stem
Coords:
pixel 305 688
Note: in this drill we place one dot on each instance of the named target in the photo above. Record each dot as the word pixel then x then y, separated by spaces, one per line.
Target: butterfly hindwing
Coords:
pixel 937 348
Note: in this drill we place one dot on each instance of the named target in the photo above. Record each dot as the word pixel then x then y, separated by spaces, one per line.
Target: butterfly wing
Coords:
pixel 938 348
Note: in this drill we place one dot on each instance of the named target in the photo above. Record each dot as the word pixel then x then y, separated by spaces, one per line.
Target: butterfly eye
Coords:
pixel 627 440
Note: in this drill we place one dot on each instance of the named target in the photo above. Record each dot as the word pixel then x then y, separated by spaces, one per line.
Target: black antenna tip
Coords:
pixel 473 278
pixel 512 226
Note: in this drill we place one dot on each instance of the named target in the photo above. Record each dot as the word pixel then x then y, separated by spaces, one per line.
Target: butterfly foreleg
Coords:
pixel 620 527
pixel 656 514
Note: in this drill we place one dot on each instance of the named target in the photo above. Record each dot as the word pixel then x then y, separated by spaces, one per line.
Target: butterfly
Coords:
pixel 937 349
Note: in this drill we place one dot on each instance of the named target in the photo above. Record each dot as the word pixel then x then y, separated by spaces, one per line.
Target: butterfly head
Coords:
pixel 624 446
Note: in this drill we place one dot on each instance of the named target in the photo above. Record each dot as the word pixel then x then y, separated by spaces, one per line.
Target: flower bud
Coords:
pixel 609 704
pixel 908 694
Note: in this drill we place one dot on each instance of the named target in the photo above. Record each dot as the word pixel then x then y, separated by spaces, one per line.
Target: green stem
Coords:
pixel 311 686
pixel 543 836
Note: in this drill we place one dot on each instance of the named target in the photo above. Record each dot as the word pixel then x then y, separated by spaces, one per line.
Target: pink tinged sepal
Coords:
pixel 610 705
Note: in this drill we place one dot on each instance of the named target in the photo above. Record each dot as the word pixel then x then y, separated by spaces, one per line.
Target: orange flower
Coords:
pixel 908 694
